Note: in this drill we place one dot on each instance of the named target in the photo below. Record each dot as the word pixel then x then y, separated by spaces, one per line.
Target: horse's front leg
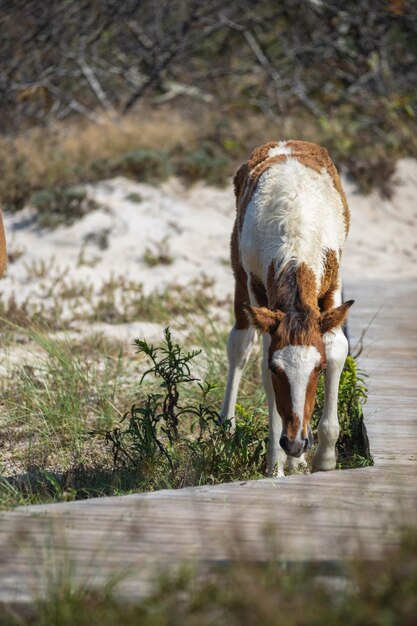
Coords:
pixel 239 347
pixel 336 347
pixel 275 454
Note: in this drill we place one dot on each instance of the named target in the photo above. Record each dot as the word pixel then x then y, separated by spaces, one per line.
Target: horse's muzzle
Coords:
pixel 296 447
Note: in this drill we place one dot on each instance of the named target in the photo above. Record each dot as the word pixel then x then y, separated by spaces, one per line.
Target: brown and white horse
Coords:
pixel 291 224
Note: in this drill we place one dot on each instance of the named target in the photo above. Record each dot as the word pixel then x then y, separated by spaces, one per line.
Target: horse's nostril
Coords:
pixel 305 444
pixel 284 442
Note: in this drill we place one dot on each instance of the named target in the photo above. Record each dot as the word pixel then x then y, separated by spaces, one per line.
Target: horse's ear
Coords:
pixel 334 317
pixel 264 319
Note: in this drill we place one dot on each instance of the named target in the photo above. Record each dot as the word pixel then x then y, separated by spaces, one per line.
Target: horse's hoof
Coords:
pixel 324 463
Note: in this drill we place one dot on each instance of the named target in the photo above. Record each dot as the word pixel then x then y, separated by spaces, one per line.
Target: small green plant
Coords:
pixel 146 165
pixel 159 256
pixel 134 197
pixel 186 438
pixel 207 162
pixel 61 206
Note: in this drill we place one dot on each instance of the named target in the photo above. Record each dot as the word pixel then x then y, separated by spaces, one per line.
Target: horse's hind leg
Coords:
pixel 239 346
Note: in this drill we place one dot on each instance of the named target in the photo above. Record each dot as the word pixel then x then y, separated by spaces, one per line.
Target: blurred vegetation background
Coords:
pixel 86 84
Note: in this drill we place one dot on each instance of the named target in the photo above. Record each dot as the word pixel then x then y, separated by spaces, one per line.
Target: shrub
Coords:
pixel 61 206
pixel 146 165
pixel 170 442
pixel 205 162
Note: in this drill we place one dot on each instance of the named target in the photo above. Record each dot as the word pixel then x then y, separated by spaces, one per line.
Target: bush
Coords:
pixel 62 206
pixel 205 162
pixel 171 443
pixel 149 166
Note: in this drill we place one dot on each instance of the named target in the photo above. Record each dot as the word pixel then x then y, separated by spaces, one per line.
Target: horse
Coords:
pixel 292 220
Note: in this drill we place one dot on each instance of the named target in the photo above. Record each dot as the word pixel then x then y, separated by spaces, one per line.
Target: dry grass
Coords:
pixel 67 154
pixel 191 141
pixel 62 155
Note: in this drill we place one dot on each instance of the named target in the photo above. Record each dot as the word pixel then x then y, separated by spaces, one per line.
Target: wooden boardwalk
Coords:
pixel 325 516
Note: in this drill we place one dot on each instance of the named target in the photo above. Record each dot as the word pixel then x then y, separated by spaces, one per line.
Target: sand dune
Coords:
pixel 192 227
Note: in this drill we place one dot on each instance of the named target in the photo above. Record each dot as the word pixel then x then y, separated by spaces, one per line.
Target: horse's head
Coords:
pixel 296 359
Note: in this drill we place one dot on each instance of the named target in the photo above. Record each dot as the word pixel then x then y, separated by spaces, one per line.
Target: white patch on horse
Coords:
pixel 297 362
pixel 281 148
pixel 295 215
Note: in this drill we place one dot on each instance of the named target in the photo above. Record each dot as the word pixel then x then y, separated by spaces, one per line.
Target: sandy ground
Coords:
pixel 191 225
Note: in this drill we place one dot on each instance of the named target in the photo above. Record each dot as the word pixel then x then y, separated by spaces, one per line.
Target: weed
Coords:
pixel 56 400
pixel 61 205
pixel 160 256
pixel 16 315
pixel 39 268
pixel 134 197
pixel 14 252
pixel 85 261
pixel 187 440
pixel 207 162
pixel 144 165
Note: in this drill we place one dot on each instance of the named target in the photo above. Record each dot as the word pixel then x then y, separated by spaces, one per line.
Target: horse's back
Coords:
pixel 291 206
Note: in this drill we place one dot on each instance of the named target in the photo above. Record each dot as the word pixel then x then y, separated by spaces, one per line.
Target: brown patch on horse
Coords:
pixel 283 402
pixel 280 287
pixel 330 281
pixel 3 250
pixel 260 154
pixel 292 288
pixel 258 290
pixel 298 329
pixel 241 283
pixel 309 400
pixel 294 291
pixel 307 287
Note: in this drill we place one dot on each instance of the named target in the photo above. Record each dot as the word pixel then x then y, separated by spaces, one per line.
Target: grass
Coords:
pixel 173 439
pixel 78 423
pixel 379 592
pixel 159 255
pixel 51 405
pixel 63 304
pixel 42 160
